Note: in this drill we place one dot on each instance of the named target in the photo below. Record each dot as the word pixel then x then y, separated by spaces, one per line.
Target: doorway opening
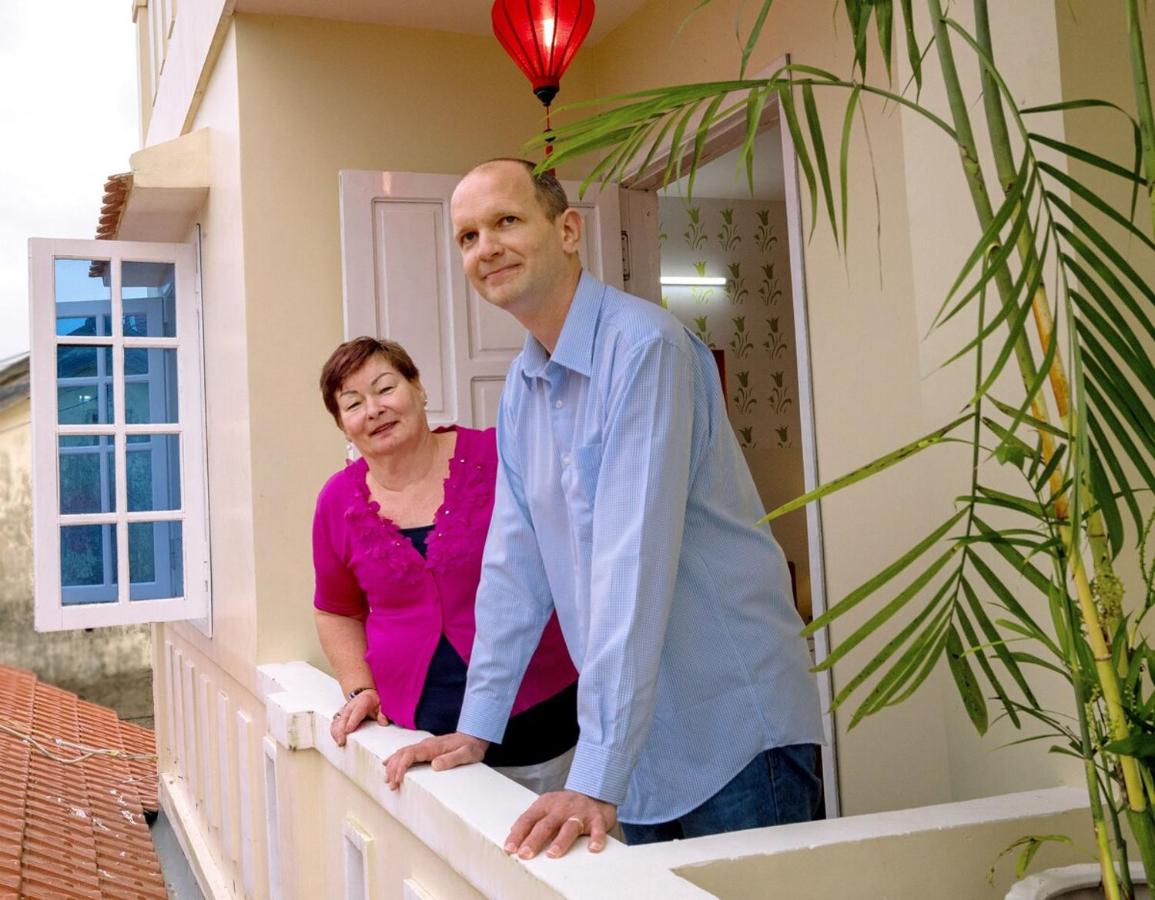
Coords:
pixel 752 314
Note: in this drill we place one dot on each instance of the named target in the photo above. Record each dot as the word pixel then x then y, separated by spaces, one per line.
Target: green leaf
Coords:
pixel 752 38
pixel 1118 435
pixel 1118 334
pixel 868 587
pixel 1007 598
pixel 790 115
pixel 891 647
pixel 1101 447
pixel 997 644
pixel 884 21
pixel 871 468
pixel 1037 424
pixel 1027 283
pixel 1011 448
pixel 1140 746
pixel 1105 375
pixel 1039 481
pixel 858 12
pixel 912 52
pixel 1101 490
pixel 1093 199
pixel 755 103
pixel 1014 202
pixel 820 162
pixel 1031 659
pixel 1030 845
pixel 1002 499
pixel 984 664
pixel 887 612
pixel 1090 159
pixel 907 681
pixel 1006 549
pixel 965 681
pixel 700 136
pixel 1015 330
pixel 844 159
pixel 1103 246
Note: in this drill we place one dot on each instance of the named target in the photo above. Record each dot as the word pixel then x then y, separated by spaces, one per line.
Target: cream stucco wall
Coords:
pixel 226 326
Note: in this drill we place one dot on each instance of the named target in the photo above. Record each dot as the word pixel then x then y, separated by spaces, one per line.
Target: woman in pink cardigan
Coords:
pixel 398 537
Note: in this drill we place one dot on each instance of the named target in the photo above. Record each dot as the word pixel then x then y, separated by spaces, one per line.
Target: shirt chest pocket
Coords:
pixel 581 484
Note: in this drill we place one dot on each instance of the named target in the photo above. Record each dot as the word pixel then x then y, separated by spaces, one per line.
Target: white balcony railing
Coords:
pixel 337 830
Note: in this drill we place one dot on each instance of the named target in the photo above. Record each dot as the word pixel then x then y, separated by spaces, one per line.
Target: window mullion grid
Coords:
pixel 152 343
pixel 118 420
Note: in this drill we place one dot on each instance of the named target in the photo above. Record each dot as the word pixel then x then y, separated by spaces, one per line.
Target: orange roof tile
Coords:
pixel 72 821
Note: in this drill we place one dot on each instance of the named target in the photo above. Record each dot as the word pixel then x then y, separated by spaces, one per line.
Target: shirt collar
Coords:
pixel 575 344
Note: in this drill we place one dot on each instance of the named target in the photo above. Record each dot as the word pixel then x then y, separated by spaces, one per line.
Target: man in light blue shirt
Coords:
pixel 624 503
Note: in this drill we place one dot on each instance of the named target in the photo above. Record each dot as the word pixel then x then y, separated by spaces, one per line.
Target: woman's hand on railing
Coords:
pixel 445 752
pixel 366 705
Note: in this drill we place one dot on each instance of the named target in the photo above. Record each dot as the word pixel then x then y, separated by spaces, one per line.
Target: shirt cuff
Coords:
pixel 599 773
pixel 484 718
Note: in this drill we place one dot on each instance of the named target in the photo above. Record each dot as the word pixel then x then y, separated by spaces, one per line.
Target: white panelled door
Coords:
pixel 403 280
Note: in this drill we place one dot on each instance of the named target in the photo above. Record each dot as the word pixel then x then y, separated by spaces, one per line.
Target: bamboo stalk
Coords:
pixel 1097 631
pixel 972 169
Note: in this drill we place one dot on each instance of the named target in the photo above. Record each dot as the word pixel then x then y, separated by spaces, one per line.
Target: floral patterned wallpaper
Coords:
pixel 751 319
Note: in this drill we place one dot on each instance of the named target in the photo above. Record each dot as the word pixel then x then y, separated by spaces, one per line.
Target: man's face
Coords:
pixel 514 256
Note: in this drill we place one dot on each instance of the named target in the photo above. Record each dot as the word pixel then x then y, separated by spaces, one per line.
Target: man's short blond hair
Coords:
pixel 548 190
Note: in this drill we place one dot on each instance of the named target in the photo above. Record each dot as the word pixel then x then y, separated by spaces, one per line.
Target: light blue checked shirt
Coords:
pixel 624 502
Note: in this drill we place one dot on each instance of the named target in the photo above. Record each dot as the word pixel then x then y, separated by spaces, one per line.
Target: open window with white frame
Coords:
pixel 119 511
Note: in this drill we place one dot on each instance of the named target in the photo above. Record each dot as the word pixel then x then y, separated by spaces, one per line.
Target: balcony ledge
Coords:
pixel 473 807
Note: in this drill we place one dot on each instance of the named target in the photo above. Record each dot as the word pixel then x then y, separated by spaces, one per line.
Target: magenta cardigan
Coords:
pixel 363 564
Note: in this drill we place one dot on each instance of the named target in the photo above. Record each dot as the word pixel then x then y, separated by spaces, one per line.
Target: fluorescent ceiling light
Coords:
pixel 688 281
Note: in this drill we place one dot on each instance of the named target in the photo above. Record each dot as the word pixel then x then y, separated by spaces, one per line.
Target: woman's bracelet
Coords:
pixel 353 693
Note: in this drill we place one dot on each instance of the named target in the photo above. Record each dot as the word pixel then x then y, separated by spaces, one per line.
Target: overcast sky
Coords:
pixel 68 120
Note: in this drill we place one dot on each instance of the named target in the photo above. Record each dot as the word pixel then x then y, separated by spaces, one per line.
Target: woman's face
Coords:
pixel 380 410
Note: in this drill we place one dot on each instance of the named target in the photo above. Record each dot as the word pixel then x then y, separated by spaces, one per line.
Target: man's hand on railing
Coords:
pixel 557 819
pixel 445 752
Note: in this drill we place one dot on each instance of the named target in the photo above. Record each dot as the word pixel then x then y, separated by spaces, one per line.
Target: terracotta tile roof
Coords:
pixel 116 190
pixel 73 829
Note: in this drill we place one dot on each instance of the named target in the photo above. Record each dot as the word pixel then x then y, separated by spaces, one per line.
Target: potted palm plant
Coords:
pixel 1047 292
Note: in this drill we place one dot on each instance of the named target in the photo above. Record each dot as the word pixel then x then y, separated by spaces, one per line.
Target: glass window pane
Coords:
pixel 155 560
pixel 149 298
pixel 83 296
pixel 88 564
pixel 87 475
pixel 152 397
pixel 154 473
pixel 135 362
pixel 84 385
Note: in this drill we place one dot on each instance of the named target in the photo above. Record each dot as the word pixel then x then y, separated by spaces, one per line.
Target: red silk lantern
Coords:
pixel 542 36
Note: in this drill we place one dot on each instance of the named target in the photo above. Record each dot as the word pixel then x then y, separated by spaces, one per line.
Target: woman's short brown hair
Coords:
pixel 350 356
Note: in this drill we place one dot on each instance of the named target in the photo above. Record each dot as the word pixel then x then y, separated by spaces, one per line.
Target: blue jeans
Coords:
pixel 777 787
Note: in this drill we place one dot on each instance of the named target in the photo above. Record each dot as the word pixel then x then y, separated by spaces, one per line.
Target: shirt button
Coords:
pixel 558 404
pixel 565 459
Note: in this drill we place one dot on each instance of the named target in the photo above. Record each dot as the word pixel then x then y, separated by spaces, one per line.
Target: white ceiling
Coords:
pixel 461 16
pixel 723 179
